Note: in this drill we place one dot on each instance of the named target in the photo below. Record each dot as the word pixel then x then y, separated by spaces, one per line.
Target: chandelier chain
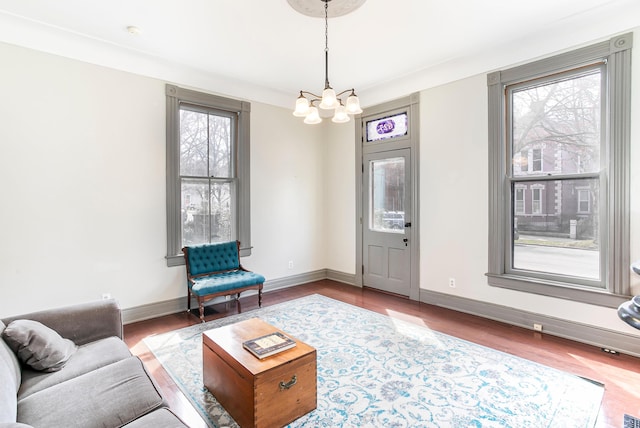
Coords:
pixel 326 26
pixel 326 44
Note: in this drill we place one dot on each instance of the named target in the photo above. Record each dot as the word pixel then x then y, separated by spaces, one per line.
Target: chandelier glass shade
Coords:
pixel 308 103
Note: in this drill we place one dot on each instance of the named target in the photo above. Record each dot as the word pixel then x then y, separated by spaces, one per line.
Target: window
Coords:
pixel 537 160
pixel 559 128
pixel 388 127
pixel 536 201
pixel 207 171
pixel 519 200
pixel 584 201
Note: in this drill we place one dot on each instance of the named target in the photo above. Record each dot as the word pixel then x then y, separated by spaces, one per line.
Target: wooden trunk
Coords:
pixel 271 392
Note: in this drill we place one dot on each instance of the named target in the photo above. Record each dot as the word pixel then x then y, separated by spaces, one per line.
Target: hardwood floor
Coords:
pixel 619 373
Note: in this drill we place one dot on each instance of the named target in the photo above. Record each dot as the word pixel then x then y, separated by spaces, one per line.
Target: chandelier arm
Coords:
pixel 317 97
pixel 352 90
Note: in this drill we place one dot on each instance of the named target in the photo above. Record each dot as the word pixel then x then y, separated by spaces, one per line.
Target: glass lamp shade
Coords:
pixel 353 104
pixel 313 117
pixel 340 115
pixel 329 99
pixel 302 107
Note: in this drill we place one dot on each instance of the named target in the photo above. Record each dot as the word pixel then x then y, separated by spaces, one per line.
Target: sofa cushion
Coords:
pixel 10 381
pixel 110 396
pixel 160 418
pixel 37 345
pixel 87 358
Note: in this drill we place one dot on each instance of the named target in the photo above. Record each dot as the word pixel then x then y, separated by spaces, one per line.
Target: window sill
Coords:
pixel 592 296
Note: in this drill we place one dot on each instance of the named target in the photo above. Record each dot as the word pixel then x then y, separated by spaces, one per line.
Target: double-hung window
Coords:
pixel 559 174
pixel 207 171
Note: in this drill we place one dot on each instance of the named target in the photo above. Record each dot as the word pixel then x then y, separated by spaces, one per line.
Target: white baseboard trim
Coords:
pixel 584 333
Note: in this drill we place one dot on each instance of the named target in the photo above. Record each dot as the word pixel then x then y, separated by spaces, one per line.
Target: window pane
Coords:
pixel 387 195
pixel 220 146
pixel 221 212
pixel 519 199
pixel 195 209
pixel 207 212
pixel 556 126
pixel 193 143
pixel 388 127
pixel 557 234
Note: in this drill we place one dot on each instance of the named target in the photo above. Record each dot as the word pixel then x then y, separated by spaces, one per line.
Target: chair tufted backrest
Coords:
pixel 208 258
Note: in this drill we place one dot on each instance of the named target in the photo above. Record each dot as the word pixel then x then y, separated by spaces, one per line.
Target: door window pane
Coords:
pixel 386 212
pixel 388 127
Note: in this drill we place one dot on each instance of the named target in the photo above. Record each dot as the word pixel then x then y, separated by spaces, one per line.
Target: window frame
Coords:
pixel 581 191
pixel 175 97
pixel 615 175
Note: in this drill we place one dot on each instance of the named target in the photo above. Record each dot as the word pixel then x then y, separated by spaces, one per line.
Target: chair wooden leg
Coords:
pixel 260 297
pixel 201 307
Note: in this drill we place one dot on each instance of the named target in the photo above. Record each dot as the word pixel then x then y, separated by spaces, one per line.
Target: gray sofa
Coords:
pixel 69 367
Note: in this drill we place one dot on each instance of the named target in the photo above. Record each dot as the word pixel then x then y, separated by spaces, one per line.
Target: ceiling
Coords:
pixel 264 50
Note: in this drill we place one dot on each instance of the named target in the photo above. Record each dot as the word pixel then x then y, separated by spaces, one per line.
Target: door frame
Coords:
pixel 410 104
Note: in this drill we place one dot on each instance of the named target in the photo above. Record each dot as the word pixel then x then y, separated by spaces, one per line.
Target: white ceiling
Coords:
pixel 264 50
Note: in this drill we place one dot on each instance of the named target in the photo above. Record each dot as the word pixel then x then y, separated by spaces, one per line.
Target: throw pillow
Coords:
pixel 37 345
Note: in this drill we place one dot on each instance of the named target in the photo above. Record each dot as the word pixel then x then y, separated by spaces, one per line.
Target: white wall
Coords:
pixel 287 194
pixel 454 202
pixel 340 197
pixel 82 187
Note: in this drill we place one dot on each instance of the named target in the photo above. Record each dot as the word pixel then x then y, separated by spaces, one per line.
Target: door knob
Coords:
pixel 405 240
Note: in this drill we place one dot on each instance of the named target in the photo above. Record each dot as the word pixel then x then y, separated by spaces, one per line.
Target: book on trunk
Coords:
pixel 269 344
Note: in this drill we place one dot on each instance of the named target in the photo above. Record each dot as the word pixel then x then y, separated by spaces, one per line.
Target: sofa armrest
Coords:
pixel 82 323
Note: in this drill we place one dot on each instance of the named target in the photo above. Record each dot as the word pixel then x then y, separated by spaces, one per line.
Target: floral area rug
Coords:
pixel 377 371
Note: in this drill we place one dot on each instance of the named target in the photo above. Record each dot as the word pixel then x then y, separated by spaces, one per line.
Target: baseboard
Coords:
pixel 290 281
pixel 167 307
pixel 347 278
pixel 588 334
pixel 154 310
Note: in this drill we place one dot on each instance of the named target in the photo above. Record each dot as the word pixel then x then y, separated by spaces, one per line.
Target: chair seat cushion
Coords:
pixel 225 281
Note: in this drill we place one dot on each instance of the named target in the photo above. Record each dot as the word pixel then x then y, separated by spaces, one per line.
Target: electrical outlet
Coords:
pixel 537 327
pixel 290 264
pixel 106 296
pixel 452 282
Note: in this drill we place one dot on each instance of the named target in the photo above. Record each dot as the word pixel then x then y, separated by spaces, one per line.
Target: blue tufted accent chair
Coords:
pixel 215 270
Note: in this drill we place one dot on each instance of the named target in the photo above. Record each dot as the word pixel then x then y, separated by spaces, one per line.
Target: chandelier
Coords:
pixel 306 102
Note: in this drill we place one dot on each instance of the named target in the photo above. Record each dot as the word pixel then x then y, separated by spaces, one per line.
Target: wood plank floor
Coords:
pixel 619 373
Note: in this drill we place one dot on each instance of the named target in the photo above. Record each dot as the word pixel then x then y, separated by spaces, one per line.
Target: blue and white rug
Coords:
pixel 377 371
